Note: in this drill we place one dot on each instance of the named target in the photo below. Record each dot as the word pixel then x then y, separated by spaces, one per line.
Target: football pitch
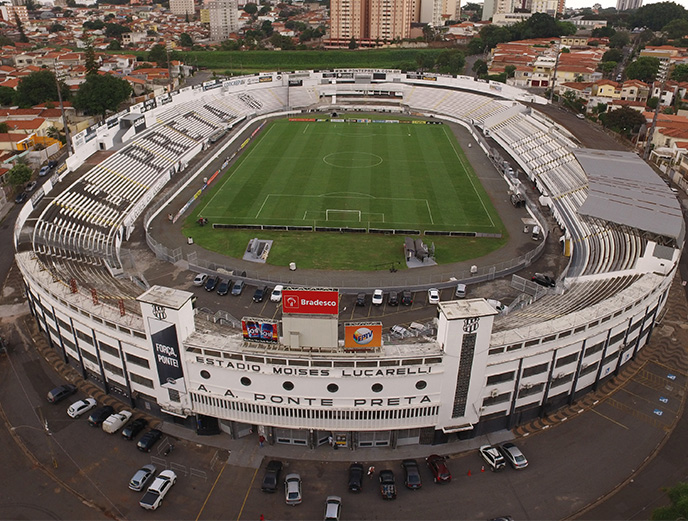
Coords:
pixel 403 176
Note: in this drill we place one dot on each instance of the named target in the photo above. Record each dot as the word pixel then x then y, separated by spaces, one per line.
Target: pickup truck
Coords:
pixel 115 421
pixel 387 487
pixel 153 497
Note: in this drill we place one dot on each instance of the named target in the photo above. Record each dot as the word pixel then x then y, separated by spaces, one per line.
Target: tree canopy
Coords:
pixel 624 120
pixel 676 28
pixel 100 93
pixel 612 55
pixel 678 495
pixel 18 175
pixel 185 40
pixel 644 69
pixel 39 87
pixel 657 16
pixel 680 72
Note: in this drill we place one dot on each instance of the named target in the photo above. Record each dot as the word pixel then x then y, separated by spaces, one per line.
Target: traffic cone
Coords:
pixel 469 472
pixel 482 469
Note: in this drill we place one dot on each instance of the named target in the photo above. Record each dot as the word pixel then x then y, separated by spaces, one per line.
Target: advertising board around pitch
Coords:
pixel 362 335
pixel 310 301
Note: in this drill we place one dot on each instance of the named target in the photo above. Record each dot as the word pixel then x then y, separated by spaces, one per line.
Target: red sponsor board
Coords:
pixel 310 301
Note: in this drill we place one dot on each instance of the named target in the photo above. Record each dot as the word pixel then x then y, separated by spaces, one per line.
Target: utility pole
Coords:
pixel 169 67
pixel 62 110
pixel 554 76
pixel 648 139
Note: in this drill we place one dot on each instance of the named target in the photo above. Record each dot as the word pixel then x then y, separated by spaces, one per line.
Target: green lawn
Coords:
pixel 358 175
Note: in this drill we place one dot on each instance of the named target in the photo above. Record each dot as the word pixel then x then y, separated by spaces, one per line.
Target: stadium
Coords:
pixel 300 381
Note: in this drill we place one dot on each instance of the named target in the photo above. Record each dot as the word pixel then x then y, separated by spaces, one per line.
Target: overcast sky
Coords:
pixel 612 3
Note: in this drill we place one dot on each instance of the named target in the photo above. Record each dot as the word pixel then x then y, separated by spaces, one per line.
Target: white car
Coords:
pixel 200 279
pixel 377 297
pixel 292 489
pixel 153 497
pixel 333 508
pixel 78 408
pixel 276 295
pixel 116 421
pixel 433 296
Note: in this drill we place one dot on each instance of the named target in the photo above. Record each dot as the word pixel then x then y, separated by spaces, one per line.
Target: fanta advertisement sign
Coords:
pixel 310 301
pixel 362 335
pixel 259 329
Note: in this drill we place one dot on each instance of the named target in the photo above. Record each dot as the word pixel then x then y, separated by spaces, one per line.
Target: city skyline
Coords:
pixel 612 3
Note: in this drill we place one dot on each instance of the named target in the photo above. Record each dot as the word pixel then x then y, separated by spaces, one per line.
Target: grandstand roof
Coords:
pixel 623 189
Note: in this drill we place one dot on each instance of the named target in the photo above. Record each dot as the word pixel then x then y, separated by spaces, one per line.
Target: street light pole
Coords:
pixel 62 110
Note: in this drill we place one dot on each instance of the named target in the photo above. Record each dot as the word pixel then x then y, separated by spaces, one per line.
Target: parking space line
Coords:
pixel 608 418
pixel 250 486
pixel 211 491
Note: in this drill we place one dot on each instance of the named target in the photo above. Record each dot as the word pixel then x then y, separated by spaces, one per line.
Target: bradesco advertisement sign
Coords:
pixel 259 329
pixel 363 335
pixel 310 301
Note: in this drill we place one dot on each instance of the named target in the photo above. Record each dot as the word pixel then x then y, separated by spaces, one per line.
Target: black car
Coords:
pixel 412 479
pixel 260 293
pixel 61 392
pixel 360 299
pixel 544 280
pixel 133 428
pixel 388 488
pixel 98 416
pixel 271 477
pixel 393 298
pixel 355 477
pixel 211 283
pixel 21 198
pixel 52 164
pixel 223 287
pixel 406 297
pixel 149 439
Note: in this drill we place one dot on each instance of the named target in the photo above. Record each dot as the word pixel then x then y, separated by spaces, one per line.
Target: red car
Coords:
pixel 438 467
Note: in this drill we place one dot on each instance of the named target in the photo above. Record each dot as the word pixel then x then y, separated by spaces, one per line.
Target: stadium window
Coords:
pixel 536 369
pixel 499 378
pixel 590 369
pixel 564 360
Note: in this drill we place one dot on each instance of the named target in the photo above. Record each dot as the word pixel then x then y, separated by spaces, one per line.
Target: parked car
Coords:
pixel 271 477
pixel 333 508
pixel 259 294
pixel 580 116
pixel 406 297
pixel 80 407
pixel 141 477
pixel 211 283
pixel 494 459
pixel 292 489
pixel 513 455
pixel 544 280
pixel 438 467
pixel 116 421
pixel 200 279
pixel 360 299
pixel 460 291
pixel 496 304
pixel 133 428
pixel 238 287
pixel 98 416
pixel 355 477
pixel 223 287
pixel 31 186
pixel 377 297
pixel 52 164
pixel 276 295
pixel 153 497
pixel 412 478
pixel 393 298
pixel 61 392
pixel 433 296
pixel 21 198
pixel 149 439
pixel 388 488
pixel 45 170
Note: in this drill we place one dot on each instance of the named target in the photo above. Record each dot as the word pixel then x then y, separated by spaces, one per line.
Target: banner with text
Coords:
pixel 310 301
pixel 362 335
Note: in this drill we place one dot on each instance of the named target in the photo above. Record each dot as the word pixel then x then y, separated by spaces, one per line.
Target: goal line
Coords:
pixel 342 215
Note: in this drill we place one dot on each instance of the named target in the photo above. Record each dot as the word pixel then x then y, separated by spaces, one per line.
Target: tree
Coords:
pixel 4 127
pixel 510 70
pixel 266 28
pixel 91 63
pixel 475 46
pixel 54 133
pixel 251 8
pixel 612 55
pixel 480 68
pixel 644 69
pixel 676 28
pixel 619 40
pixel 603 32
pixel 39 87
pixel 680 72
pixel 158 54
pixel 6 95
pixel 678 495
pixel 20 27
pixel 450 62
pixel 18 175
pixel 185 40
pixel 652 102
pixel 114 45
pixel 94 25
pixel 56 28
pixel 607 67
pixel 353 44
pixel 624 120
pixel 116 30
pixel 100 93
pixel 657 16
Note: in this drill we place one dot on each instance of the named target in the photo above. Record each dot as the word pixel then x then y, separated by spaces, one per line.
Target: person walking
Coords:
pixel 261 440
pixel 371 471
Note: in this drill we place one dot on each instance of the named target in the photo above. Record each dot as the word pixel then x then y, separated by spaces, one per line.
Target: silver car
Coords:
pixel 513 455
pixel 142 476
pixel 292 489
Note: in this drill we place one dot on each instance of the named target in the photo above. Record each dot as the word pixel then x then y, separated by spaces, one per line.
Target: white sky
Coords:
pixel 612 3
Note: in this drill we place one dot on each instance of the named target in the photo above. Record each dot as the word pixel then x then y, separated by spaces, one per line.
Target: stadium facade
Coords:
pixel 483 370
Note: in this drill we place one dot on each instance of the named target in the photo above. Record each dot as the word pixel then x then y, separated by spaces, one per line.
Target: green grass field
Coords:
pixel 357 175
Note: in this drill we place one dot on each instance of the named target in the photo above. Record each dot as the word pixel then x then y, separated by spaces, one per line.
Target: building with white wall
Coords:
pixel 224 19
